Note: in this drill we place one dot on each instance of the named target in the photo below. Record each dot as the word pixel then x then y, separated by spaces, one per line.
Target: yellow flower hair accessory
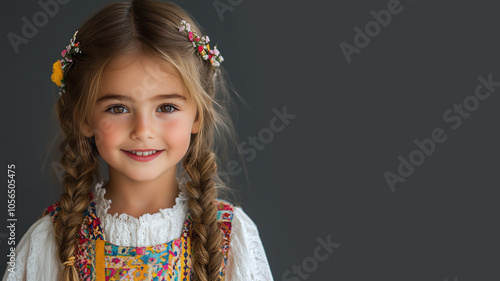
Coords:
pixel 60 66
pixel 57 73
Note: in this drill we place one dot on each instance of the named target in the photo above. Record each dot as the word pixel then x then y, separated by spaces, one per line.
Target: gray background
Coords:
pixel 324 173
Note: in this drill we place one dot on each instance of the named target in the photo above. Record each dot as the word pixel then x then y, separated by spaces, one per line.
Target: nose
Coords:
pixel 142 126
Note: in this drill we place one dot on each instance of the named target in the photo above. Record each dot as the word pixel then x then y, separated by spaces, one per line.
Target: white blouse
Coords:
pixel 37 258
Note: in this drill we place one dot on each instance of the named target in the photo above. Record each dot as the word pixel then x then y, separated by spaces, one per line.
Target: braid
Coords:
pixel 80 166
pixel 206 237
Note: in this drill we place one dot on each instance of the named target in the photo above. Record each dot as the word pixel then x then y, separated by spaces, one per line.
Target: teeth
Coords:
pixel 145 153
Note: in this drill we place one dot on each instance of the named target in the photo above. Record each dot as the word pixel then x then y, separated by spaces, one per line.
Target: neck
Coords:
pixel 136 198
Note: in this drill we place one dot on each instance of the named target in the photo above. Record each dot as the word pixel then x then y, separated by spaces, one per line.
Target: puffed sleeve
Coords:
pixel 36 254
pixel 246 258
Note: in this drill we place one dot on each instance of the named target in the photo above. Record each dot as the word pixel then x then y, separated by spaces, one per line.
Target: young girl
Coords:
pixel 141 88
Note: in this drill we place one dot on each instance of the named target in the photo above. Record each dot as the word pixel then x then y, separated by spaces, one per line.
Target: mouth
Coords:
pixel 144 152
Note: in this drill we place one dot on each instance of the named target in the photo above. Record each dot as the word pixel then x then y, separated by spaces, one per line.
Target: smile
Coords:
pixel 143 153
pixel 143 156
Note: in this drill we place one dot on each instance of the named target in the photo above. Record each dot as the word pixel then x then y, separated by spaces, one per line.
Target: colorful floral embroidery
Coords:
pixel 98 259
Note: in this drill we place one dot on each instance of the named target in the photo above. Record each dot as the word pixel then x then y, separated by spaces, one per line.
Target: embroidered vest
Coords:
pixel 97 259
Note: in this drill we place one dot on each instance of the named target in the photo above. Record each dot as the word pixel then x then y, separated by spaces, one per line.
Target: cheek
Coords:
pixel 177 132
pixel 109 143
pixel 103 129
pixel 110 134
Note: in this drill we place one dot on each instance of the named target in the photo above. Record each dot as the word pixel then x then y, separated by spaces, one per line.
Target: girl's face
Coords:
pixel 141 107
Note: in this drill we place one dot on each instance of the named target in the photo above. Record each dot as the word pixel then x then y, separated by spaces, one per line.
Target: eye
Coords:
pixel 120 108
pixel 169 108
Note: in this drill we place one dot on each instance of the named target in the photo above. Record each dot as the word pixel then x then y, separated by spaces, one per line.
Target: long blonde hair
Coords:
pixel 149 27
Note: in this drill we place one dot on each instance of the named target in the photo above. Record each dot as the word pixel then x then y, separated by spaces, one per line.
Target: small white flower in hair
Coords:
pixel 201 44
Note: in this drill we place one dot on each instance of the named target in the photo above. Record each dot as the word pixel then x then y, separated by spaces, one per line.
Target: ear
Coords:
pixel 87 130
pixel 196 126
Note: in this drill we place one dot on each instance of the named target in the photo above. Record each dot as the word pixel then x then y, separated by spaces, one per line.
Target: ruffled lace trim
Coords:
pixel 147 230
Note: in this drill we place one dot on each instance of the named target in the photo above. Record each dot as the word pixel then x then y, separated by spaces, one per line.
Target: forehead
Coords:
pixel 140 76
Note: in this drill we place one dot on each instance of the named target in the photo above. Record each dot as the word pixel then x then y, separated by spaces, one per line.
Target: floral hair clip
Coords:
pixel 201 43
pixel 60 66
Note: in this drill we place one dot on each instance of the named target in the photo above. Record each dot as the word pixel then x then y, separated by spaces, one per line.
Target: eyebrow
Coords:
pixel 111 96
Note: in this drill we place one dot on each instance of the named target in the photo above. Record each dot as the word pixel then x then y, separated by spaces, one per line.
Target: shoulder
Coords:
pixel 40 230
pixel 243 225
pixel 52 211
pixel 225 210
pixel 39 240
pixel 223 204
pixel 247 258
pixel 225 218
pixel 228 212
